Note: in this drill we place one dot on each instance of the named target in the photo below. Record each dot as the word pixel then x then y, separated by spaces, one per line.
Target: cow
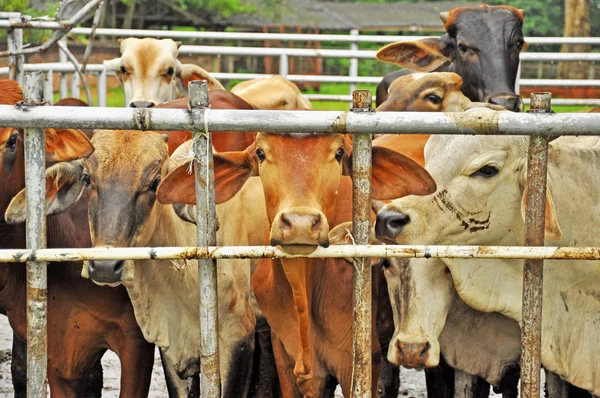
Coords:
pixel 481 44
pixel 306 300
pixel 151 73
pixel 274 92
pixel 480 201
pixel 119 180
pixel 84 320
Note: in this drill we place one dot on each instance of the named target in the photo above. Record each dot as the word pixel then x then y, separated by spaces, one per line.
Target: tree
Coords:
pixel 577 24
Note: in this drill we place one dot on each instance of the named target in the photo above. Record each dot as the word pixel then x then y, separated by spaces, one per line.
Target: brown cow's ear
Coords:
pixel 67 144
pixel 189 72
pixel 178 187
pixel 232 170
pixel 395 175
pixel 425 55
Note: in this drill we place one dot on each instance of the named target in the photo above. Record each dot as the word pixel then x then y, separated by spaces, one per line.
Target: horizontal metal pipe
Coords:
pixel 476 121
pixel 334 251
pixel 559 101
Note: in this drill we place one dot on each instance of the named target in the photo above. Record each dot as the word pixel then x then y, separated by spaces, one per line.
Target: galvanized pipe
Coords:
pixel 37 279
pixel 210 385
pixel 535 210
pixel 477 121
pixel 14 41
pixel 361 275
pixel 333 251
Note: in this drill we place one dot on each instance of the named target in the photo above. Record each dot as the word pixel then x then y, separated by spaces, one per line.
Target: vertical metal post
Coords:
pixel 101 86
pixel 210 385
pixel 518 80
pixel 361 277
pixel 353 61
pixel 283 65
pixel 37 281
pixel 62 58
pixel 535 210
pixel 14 39
pixel 49 87
pixel 75 89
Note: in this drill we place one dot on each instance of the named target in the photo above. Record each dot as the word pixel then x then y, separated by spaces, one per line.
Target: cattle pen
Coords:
pixel 360 121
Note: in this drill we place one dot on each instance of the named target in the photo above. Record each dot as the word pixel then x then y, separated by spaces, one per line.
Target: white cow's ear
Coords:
pixel 113 64
pixel 553 231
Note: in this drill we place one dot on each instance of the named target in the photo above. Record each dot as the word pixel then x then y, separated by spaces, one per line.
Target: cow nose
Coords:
pixel 108 271
pixel 512 102
pixel 389 224
pixel 300 227
pixel 142 104
pixel 412 355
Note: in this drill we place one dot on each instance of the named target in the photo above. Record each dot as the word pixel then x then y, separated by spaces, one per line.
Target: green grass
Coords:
pixel 116 97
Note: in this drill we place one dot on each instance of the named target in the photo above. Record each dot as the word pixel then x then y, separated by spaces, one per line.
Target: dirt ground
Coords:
pixel 412 383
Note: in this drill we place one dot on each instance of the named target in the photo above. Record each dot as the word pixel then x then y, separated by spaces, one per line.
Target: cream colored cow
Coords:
pixel 481 184
pixel 273 92
pixel 151 73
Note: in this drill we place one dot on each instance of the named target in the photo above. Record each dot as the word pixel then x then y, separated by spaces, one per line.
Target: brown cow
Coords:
pixel 305 306
pixel 84 320
pixel 275 92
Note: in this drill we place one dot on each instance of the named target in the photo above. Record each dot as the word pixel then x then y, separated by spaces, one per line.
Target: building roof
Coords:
pixel 344 16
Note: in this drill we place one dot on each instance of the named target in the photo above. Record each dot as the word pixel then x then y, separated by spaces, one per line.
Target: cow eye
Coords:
pixel 520 44
pixel 154 186
pixel 261 155
pixel 434 99
pixel 11 144
pixel 123 70
pixel 85 179
pixel 170 71
pixel 486 171
pixel 462 48
pixel 339 154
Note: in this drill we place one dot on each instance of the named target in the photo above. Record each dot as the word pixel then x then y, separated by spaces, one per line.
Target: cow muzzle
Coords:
pixel 390 224
pixel 141 104
pixel 108 272
pixel 304 226
pixel 414 355
pixel 511 102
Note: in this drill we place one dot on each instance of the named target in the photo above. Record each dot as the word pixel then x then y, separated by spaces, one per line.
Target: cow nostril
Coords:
pixel 285 222
pixel 119 266
pixel 398 221
pixel 425 350
pixel 316 224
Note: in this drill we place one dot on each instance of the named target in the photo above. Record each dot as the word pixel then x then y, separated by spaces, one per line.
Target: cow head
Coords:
pixel 481 44
pixel 120 186
pixel 149 69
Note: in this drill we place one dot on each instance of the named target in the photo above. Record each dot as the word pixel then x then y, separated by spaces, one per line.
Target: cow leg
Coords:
pixel 264 381
pixel 440 381
pixel 467 386
pixel 137 359
pixel 60 387
pixel 92 382
pixel 555 386
pixel 285 370
pixel 509 382
pixel 177 387
pixel 18 367
pixel 389 376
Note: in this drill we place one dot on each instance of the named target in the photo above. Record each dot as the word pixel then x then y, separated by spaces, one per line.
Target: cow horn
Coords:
pixel 444 16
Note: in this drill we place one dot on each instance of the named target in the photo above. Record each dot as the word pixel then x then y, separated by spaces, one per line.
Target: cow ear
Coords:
pixel 64 187
pixel 189 72
pixel 113 64
pixel 67 144
pixel 232 170
pixel 553 232
pixel 395 175
pixel 425 55
pixel 525 46
pixel 178 187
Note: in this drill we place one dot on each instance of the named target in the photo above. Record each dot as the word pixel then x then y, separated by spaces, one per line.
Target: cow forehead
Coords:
pixel 311 144
pixel 145 53
pixel 479 25
pixel 126 154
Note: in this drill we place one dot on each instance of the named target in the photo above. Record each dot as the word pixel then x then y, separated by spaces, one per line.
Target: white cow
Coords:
pixel 481 184
pixel 274 92
pixel 151 73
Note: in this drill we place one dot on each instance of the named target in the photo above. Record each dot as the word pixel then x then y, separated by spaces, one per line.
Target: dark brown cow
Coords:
pixel 84 320
pixel 481 44
pixel 308 303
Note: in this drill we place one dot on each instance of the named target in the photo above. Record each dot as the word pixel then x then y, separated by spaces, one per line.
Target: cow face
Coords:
pixel 149 69
pixel 481 44
pixel 300 174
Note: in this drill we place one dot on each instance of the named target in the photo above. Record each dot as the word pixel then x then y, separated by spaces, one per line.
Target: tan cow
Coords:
pixel 120 180
pixel 273 92
pixel 151 73
pixel 480 201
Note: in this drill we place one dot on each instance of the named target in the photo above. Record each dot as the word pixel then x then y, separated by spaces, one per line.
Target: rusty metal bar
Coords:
pixel 210 385
pixel 361 276
pixel 14 41
pixel 535 205
pixel 334 251
pixel 37 279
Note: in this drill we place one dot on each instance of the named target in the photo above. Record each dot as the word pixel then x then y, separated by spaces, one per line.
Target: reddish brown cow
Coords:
pixel 307 304
pixel 222 142
pixel 84 320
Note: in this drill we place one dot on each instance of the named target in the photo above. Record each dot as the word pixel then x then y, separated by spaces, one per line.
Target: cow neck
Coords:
pixel 161 286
